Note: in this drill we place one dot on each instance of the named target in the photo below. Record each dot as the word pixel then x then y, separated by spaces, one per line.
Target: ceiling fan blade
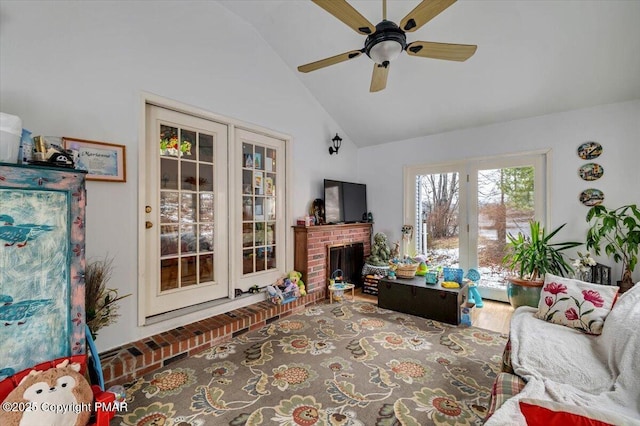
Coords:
pixel 423 13
pixel 447 51
pixel 329 61
pixel 379 77
pixel 347 14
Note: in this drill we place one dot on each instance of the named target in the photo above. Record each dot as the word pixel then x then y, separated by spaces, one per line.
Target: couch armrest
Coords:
pixel 506 359
pixel 504 387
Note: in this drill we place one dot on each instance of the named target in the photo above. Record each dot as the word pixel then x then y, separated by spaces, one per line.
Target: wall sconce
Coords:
pixel 337 142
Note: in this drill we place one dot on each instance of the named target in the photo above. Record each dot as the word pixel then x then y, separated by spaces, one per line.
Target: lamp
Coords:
pixel 386 43
pixel 337 141
pixel 385 51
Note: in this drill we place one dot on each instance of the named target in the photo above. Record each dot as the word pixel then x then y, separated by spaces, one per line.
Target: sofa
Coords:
pixel 562 372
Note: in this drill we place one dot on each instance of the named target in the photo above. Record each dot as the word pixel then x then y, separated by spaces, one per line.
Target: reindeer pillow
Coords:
pixel 58 396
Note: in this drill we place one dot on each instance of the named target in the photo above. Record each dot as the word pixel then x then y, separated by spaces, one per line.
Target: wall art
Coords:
pixel 101 161
pixel 591 171
pixel 589 150
pixel 591 197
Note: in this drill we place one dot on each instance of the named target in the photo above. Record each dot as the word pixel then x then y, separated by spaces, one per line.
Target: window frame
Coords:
pixel 468 196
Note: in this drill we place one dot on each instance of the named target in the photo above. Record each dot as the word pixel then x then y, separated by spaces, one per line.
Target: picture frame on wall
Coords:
pixel 102 161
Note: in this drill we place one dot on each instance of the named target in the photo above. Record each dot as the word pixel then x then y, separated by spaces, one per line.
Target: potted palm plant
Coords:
pixel 529 257
pixel 618 230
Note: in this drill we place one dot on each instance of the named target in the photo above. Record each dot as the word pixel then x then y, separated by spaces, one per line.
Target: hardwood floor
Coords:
pixel 494 316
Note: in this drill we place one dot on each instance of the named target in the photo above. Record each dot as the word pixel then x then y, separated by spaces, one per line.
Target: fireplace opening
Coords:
pixel 349 258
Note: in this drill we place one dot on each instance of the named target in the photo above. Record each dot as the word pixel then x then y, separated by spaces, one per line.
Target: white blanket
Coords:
pixel 568 366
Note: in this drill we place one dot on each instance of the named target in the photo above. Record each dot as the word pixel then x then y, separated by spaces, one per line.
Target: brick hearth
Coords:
pixel 133 360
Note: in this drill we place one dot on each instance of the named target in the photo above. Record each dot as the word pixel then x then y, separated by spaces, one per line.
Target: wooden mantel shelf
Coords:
pixel 333 227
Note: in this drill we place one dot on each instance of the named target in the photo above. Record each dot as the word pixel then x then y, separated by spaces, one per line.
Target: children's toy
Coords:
pixel 290 288
pixel 284 291
pixel 422 269
pixel 275 295
pixel 296 278
pixel 431 277
pixel 60 386
pixel 450 284
pixel 474 295
pixel 465 313
pixel 453 274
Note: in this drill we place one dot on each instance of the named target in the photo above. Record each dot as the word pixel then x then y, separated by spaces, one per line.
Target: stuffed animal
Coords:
pixel 291 288
pixel 296 278
pixel 58 396
pixel 275 294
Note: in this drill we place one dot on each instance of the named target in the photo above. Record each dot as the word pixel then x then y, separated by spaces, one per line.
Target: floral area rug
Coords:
pixel 341 364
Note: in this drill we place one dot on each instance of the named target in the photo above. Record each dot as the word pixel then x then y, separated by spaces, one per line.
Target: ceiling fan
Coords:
pixel 387 40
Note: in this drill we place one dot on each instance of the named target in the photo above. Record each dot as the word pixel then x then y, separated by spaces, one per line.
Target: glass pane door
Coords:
pixel 438 218
pixel 187 209
pixel 259 183
pixel 259 213
pixel 186 237
pixel 506 203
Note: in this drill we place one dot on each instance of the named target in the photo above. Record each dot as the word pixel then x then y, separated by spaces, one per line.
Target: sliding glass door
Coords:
pixel 463 212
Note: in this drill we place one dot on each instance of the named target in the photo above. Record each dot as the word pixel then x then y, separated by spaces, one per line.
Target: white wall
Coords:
pixel 616 127
pixel 78 68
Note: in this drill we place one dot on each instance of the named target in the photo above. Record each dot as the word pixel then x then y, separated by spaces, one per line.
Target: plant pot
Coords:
pixel 624 285
pixel 523 292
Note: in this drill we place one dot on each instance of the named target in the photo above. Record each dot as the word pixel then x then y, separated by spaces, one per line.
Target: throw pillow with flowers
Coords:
pixel 574 303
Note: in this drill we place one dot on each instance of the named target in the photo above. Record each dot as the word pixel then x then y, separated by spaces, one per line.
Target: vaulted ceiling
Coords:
pixel 533 58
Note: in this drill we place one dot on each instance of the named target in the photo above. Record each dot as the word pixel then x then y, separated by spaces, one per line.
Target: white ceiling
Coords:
pixel 533 58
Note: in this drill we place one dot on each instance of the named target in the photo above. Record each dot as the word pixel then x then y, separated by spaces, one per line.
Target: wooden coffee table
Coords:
pixel 341 287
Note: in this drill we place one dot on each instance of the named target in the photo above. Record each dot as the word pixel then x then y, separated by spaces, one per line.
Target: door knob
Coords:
pixel 148 224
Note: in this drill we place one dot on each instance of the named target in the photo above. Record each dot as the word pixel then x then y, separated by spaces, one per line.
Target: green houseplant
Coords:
pixel 529 258
pixel 618 230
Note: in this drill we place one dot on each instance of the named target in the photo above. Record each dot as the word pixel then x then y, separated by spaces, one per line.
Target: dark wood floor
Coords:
pixel 494 316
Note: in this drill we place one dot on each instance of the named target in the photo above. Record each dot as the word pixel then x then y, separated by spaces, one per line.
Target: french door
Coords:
pixel 259 213
pixel 186 239
pixel 462 212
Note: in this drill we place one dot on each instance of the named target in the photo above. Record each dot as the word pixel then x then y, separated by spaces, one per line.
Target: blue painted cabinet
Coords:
pixel 42 262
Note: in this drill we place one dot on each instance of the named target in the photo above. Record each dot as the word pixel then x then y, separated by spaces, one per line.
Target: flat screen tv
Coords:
pixel 345 202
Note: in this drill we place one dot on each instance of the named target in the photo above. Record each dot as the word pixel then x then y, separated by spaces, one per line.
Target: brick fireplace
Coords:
pixel 311 249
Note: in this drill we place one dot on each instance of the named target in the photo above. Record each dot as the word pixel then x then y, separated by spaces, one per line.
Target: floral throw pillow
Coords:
pixel 574 303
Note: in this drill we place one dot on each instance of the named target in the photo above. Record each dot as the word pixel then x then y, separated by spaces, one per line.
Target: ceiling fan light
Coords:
pixel 384 51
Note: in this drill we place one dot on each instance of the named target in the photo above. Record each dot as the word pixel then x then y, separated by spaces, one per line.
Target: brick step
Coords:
pixel 133 360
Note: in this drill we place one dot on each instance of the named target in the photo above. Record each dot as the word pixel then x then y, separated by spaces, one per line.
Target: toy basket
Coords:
pixel 404 270
pixel 453 274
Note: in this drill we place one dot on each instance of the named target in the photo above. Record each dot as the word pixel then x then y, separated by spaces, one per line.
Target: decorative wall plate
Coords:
pixel 591 197
pixel 589 150
pixel 591 171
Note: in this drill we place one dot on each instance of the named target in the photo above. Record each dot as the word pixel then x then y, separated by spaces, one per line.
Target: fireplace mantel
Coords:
pixel 311 243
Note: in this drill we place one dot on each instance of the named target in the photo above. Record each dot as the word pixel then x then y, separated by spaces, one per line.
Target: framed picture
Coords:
pixel 268 183
pixel 102 161
pixel 258 182
pixel 248 161
pixel 257 160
